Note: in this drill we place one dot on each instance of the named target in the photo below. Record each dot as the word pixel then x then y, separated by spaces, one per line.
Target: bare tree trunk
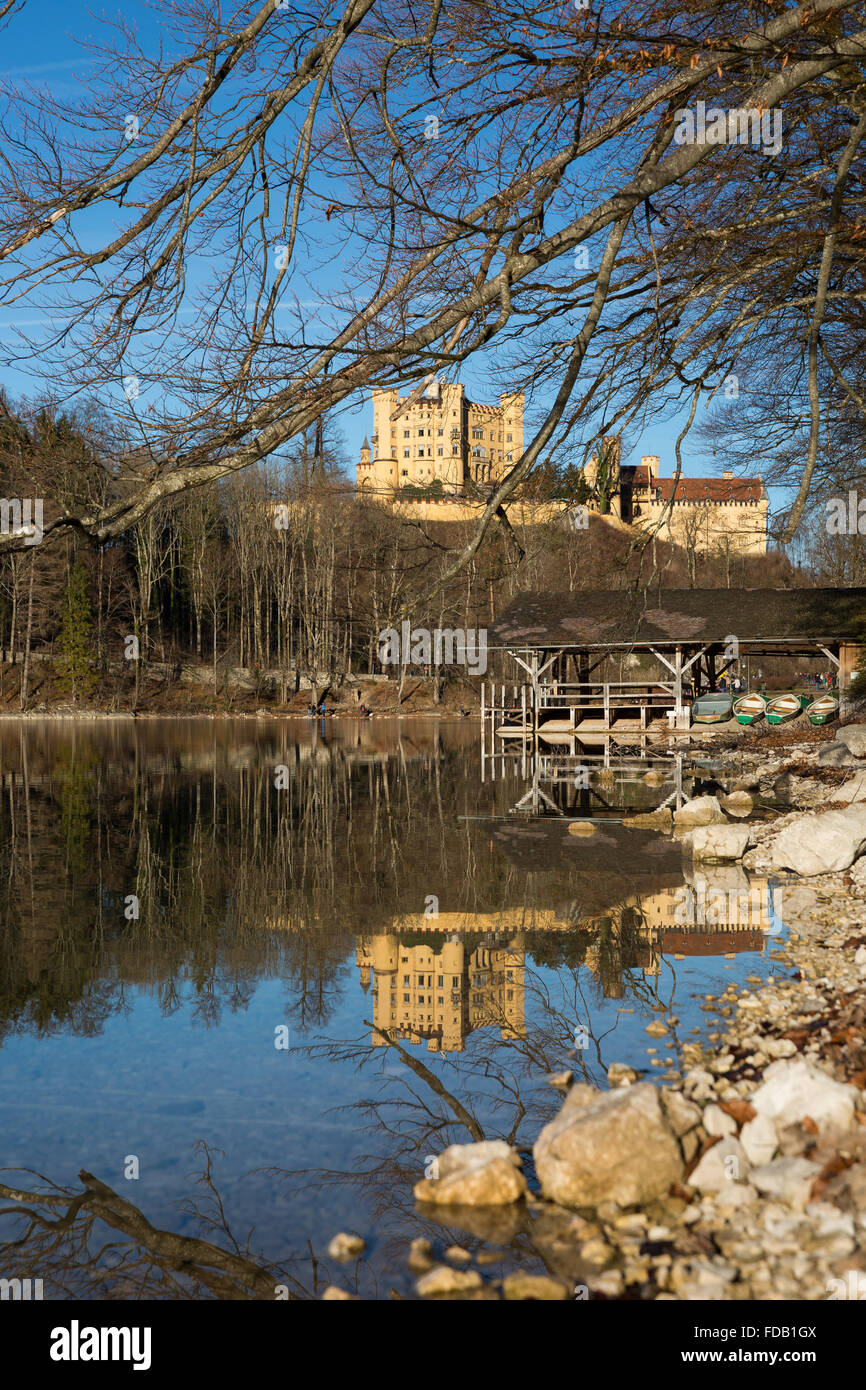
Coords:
pixel 25 674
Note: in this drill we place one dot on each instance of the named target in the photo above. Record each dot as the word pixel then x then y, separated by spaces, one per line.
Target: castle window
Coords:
pixel 420 433
pixel 405 434
pixel 508 439
pixel 404 472
pixel 477 434
pixel 440 451
pixel 405 453
pixel 441 432
pixel 406 979
pixel 508 458
pixel 407 999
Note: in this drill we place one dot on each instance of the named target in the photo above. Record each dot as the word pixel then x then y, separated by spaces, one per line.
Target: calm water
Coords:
pixel 221 970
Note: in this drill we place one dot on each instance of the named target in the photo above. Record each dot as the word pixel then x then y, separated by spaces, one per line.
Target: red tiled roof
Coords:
pixel 703 489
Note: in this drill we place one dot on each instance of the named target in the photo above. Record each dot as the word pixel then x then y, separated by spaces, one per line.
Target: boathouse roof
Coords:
pixel 587 618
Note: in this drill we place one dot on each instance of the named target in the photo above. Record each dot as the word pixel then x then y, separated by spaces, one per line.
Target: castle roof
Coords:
pixel 701 489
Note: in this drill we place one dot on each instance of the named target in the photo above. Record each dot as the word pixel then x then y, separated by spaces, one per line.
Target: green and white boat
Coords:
pixel 748 709
pixel 713 708
pixel 781 708
pixel 822 710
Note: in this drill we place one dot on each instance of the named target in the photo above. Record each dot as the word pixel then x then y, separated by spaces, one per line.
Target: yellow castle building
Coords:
pixel 704 514
pixel 437 454
pixel 439 437
pixel 441 995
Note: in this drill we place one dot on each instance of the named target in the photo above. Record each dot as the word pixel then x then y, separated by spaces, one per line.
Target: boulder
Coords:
pixel 724 1163
pixel 540 1288
pixel 738 803
pixel 612 1146
pixel 581 827
pixel 794 1089
pixel 346 1247
pixel 682 1115
pixel 789 1180
pixel 443 1279
pixel 759 1139
pixel 835 755
pixel 720 841
pixel 822 844
pixel 475 1175
pixel 717 1122
pixel 701 810
pixel 854 738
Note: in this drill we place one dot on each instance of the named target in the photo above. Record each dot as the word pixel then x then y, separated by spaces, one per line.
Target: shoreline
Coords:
pixel 743 1180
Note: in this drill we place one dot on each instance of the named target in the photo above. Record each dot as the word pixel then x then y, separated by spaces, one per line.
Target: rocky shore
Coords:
pixel 745 1179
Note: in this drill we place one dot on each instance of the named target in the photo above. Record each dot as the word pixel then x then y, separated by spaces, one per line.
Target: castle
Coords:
pixel 439 437
pixel 705 514
pixel 436 454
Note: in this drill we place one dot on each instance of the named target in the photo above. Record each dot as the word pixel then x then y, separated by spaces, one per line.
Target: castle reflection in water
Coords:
pixel 438 979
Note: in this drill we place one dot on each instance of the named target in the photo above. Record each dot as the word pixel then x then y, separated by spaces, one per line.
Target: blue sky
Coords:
pixel 41 46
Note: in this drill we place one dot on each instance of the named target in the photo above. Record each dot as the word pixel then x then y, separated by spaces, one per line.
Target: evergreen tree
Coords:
pixel 76 676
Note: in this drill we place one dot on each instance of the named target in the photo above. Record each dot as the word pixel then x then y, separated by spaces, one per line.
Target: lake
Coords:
pixel 255 974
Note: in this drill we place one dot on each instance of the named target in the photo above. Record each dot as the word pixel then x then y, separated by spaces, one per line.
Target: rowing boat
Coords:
pixel 781 708
pixel 822 710
pixel 749 708
pixel 713 708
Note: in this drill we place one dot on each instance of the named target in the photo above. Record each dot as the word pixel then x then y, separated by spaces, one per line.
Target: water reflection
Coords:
pixel 173 893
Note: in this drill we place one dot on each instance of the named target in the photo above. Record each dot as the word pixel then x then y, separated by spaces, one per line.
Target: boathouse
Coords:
pixel 566 648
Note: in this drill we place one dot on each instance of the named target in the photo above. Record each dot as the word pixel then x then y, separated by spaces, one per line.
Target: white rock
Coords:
pixel 720 841
pixel 701 810
pixel 854 738
pixel 718 1121
pixel 724 1163
pixel 346 1247
pixel 821 844
pixel 443 1279
pixel 759 1139
pixel 792 1090
pixel 789 1180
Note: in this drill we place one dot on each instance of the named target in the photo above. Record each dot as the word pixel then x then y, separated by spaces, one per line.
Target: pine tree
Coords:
pixel 76 676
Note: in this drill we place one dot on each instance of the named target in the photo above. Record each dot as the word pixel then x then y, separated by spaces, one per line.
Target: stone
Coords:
pixel 560 1079
pixel 724 1163
pixel 835 755
pixel 701 810
pixel 853 736
pixel 612 1146
pixel 420 1255
pixel 581 827
pixel 346 1247
pixel 653 778
pixel 718 1122
pixel 536 1287
pixel 334 1295
pixel 759 1139
pixel 443 1279
pixel 821 844
pixel 720 841
pixel 682 1115
pixel 656 1029
pixel 789 1180
pixel 794 1089
pixel 477 1175
pixel 457 1255
pixel 737 803
pixel 618 1074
